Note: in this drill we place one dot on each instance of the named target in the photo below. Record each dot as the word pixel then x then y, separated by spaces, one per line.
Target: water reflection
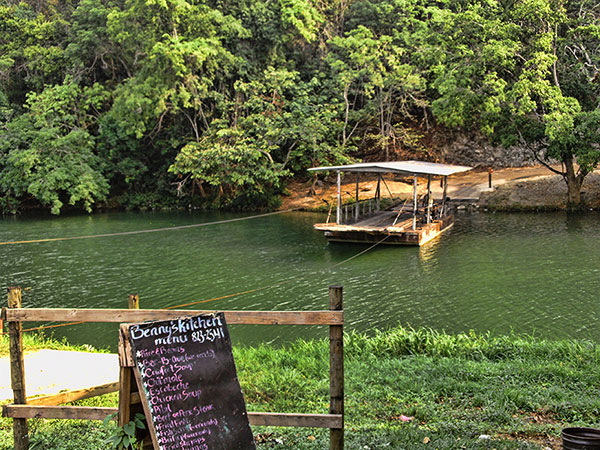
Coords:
pixel 428 253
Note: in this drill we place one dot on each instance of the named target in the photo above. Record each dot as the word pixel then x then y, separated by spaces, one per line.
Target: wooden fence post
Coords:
pixel 126 378
pixel 134 301
pixel 17 370
pixel 336 368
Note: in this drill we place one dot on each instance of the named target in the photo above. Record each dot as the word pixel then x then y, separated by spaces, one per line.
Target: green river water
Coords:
pixel 528 273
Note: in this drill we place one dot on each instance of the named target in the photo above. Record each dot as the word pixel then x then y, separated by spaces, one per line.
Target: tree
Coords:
pixel 274 126
pixel 48 153
pixel 31 50
pixel 91 54
pixel 524 72
pixel 378 84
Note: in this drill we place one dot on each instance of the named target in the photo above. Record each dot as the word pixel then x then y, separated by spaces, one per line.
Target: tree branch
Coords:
pixel 537 157
pixel 554 72
pixel 546 165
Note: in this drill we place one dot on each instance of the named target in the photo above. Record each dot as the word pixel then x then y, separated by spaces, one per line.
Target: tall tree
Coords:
pixel 379 82
pixel 47 153
pixel 275 126
pixel 524 72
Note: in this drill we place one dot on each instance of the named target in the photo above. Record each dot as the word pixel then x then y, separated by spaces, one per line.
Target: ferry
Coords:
pixel 416 223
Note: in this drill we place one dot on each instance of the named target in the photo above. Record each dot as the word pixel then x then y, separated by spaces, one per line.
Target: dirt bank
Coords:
pixel 514 189
pixel 539 193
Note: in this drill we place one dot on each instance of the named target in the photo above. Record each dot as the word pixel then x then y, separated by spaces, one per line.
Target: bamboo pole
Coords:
pixel 17 370
pixel 336 368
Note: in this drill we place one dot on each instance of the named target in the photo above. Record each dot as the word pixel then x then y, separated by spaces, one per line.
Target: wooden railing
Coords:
pixel 51 406
pixel 352 212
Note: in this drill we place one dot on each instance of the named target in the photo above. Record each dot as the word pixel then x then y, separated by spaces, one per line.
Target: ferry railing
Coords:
pixel 51 406
pixel 354 211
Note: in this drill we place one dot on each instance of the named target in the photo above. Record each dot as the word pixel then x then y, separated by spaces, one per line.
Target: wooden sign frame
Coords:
pixel 131 397
pixel 186 380
pixel 131 389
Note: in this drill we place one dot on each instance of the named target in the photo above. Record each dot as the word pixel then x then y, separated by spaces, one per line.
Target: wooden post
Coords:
pixel 134 301
pixel 357 211
pixel 443 212
pixel 378 191
pixel 415 206
pixel 126 380
pixel 336 368
pixel 338 215
pixel 428 198
pixel 17 370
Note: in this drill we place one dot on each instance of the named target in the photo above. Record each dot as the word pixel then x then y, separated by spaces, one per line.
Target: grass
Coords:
pixel 464 391
pixel 33 342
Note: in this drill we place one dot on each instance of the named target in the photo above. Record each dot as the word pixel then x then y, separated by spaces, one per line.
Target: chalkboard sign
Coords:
pixel 189 385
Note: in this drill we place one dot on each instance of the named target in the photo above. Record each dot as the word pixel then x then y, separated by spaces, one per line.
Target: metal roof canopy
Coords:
pixel 401 167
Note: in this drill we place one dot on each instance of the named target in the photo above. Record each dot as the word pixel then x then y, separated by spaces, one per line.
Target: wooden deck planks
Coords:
pixel 399 234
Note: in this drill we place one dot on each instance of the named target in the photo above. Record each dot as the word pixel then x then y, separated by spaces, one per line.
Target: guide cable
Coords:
pixel 152 230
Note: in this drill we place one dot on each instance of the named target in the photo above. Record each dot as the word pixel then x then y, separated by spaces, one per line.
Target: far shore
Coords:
pixel 531 188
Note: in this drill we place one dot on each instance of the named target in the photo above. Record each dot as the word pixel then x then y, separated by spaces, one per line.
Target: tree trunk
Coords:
pixel 346 114
pixel 574 182
pixel 313 187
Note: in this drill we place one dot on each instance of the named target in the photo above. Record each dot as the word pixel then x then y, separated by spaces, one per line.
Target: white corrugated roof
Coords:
pixel 403 167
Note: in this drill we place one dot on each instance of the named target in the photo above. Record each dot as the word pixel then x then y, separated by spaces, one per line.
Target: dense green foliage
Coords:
pixel 518 392
pixel 147 103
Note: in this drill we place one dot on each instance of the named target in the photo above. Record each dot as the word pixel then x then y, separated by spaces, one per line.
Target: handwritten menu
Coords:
pixel 190 383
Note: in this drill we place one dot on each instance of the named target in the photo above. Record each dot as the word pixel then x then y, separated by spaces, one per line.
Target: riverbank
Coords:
pixel 539 193
pixel 530 188
pixel 405 389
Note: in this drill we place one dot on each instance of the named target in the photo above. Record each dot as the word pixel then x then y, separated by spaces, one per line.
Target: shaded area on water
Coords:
pixel 531 273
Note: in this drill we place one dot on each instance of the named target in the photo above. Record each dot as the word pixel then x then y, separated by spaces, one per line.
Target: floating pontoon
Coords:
pixel 408 224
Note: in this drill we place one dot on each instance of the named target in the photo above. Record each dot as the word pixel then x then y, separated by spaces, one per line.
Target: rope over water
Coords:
pixel 153 230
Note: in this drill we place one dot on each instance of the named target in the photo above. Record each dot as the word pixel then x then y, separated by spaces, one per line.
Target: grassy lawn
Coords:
pixel 465 391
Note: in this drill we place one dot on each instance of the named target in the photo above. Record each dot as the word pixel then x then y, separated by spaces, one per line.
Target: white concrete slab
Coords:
pixel 52 371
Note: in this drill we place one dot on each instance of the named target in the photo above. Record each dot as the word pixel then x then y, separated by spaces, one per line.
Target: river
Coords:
pixel 528 273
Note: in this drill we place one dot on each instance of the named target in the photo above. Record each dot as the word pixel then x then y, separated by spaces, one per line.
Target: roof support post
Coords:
pixel 429 199
pixel 443 211
pixel 378 191
pixel 357 210
pixel 338 213
pixel 415 206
